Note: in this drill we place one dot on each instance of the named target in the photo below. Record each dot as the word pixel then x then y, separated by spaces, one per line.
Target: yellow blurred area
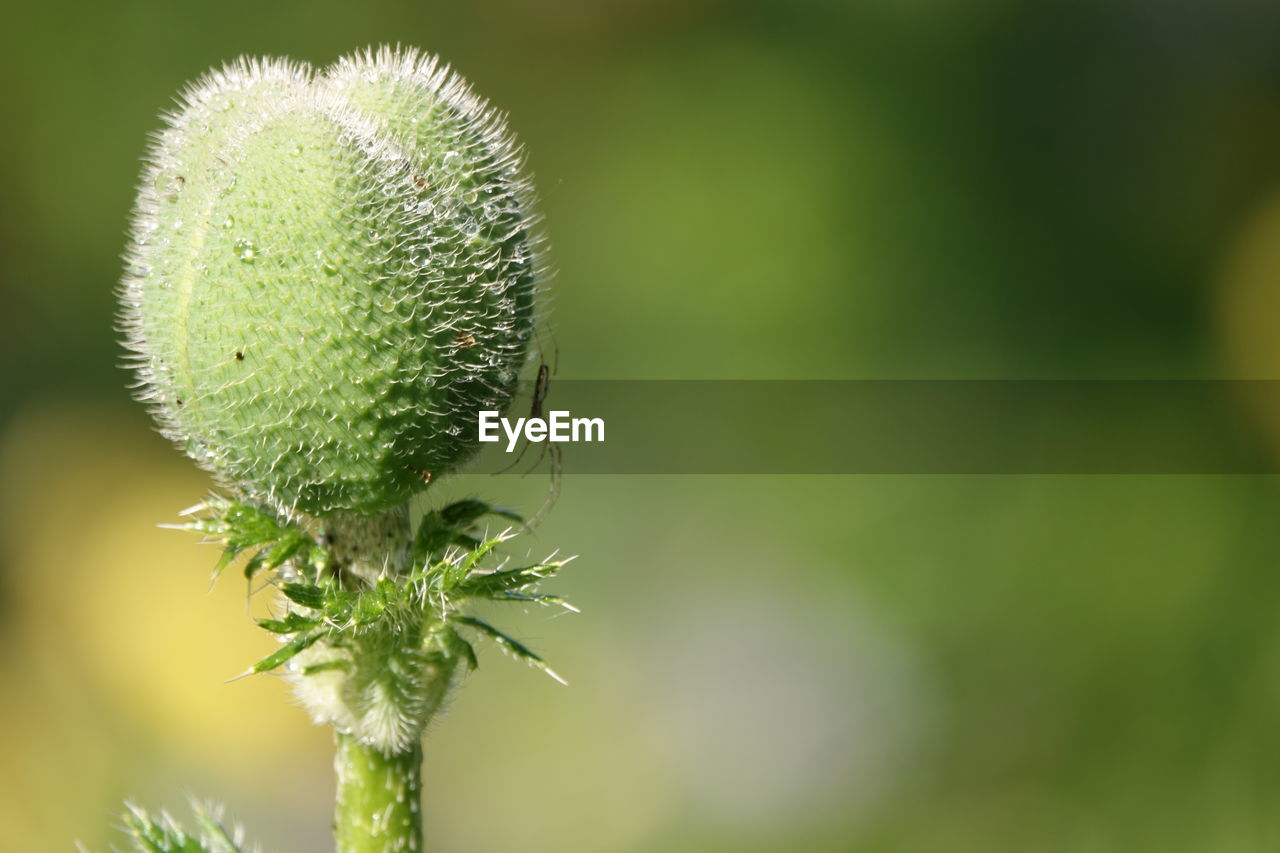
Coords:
pixel 121 648
pixel 1248 311
pixel 1248 298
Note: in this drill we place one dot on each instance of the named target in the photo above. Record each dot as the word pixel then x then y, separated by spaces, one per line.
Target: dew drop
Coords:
pixel 229 222
pixel 246 251
pixel 295 150
pixel 168 185
pixel 224 180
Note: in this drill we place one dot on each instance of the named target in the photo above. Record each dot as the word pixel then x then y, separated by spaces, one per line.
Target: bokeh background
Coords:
pixel 876 189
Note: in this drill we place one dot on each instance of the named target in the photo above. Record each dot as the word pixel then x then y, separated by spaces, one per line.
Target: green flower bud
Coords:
pixel 330 273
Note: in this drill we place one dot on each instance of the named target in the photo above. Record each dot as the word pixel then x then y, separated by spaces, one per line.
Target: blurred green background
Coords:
pixel 878 189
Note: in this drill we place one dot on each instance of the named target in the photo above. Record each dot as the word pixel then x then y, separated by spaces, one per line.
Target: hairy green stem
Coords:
pixel 368 546
pixel 378 806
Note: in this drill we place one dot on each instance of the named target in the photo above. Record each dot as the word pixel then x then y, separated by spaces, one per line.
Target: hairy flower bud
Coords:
pixel 330 273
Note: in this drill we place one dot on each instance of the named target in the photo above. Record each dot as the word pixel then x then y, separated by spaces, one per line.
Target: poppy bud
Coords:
pixel 330 273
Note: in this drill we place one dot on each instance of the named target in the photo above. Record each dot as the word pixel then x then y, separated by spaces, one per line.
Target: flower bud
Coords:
pixel 330 273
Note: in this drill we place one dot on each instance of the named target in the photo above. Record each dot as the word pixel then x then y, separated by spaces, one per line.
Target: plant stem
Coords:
pixel 378 806
pixel 367 546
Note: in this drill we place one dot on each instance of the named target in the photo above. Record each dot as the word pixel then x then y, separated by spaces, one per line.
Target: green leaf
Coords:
pixel 240 526
pixel 162 834
pixel 213 833
pixel 433 536
pixel 489 584
pixel 154 835
pixel 508 643
pixel 285 652
pixel 228 555
pixel 448 526
pixel 318 559
pixel 536 598
pixel 308 595
pixel 273 556
pixel 455 573
pixel 464 513
pixel 252 567
pixel 291 624
pixel 370 606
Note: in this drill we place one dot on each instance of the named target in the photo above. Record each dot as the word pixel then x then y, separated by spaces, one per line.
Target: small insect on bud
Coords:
pixel 330 273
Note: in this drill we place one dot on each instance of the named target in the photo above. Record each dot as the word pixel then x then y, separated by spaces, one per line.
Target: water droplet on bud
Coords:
pixel 224 180
pixel 168 185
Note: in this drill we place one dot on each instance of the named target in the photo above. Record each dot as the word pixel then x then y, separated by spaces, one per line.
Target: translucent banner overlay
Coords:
pixel 904 427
